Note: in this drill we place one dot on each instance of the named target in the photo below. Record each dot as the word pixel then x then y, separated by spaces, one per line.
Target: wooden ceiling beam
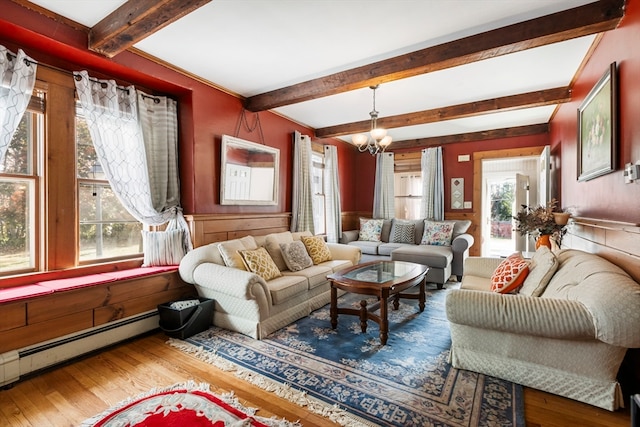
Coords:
pixel 136 20
pixel 506 103
pixel 591 18
pixel 471 137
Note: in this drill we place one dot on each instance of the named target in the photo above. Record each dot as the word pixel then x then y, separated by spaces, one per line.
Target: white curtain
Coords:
pixel 432 205
pixel 333 208
pixel 17 78
pixel 135 137
pixel 383 196
pixel 302 203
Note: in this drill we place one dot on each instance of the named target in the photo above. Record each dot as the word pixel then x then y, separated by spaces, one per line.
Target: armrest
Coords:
pixel 481 266
pixel 346 252
pixel 462 242
pixel 349 236
pixel 460 248
pixel 230 281
pixel 520 314
pixel 195 257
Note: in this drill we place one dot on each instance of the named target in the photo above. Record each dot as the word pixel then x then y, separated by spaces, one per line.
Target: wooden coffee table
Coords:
pixel 382 279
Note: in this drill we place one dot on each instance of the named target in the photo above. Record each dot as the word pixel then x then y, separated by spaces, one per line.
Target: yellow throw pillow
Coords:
pixel 259 262
pixel 317 249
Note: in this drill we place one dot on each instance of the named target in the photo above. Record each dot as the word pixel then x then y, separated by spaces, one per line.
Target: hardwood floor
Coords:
pixel 69 394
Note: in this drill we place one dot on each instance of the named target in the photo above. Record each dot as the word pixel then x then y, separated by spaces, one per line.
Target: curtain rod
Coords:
pixel 28 62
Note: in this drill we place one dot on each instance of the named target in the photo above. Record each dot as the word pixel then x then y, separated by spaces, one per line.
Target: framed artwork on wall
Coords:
pixel 598 128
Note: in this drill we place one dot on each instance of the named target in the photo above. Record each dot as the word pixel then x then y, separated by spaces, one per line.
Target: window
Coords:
pixel 317 186
pixel 107 229
pixel 19 192
pixel 408 194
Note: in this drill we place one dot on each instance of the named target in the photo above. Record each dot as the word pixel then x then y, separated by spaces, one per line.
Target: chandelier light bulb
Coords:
pixel 359 139
pixel 384 143
pixel 378 133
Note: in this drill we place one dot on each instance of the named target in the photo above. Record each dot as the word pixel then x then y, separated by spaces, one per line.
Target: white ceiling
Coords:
pixel 249 47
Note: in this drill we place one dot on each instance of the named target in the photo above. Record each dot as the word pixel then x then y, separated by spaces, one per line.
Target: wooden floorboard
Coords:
pixel 68 394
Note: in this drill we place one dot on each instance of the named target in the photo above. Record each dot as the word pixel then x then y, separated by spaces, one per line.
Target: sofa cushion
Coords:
pixel 542 267
pixel 510 274
pixel 295 256
pixel 317 249
pixel 387 248
pixel 272 244
pixel 316 275
pixel 229 251
pixel 370 229
pixel 432 256
pixel 285 287
pixel 369 248
pixel 259 261
pixel 402 231
pixel 437 233
pixel 336 264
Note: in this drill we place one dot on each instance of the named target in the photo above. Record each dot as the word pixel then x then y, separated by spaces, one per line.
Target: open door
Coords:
pixel 544 180
pixel 521 198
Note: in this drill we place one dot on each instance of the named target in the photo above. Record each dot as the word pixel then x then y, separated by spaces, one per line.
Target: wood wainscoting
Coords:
pixel 210 228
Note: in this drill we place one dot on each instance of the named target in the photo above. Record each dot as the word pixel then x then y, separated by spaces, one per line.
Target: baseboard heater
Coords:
pixel 16 363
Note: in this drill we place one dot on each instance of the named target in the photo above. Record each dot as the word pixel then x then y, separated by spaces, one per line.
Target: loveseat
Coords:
pixel 260 293
pixel 443 248
pixel 566 330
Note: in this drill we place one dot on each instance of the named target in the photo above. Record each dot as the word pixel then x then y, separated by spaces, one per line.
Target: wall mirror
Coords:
pixel 249 173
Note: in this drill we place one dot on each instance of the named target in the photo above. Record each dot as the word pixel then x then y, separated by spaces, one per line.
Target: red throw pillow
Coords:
pixel 510 274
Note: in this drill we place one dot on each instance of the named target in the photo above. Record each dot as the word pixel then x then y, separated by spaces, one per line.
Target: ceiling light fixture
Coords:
pixel 377 140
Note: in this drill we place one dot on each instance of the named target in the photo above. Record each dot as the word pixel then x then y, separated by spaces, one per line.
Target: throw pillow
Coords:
pixel 542 268
pixel 229 251
pixel 437 233
pixel 370 229
pixel 510 274
pixel 162 247
pixel 402 232
pixel 295 255
pixel 317 249
pixel 259 262
pixel 460 227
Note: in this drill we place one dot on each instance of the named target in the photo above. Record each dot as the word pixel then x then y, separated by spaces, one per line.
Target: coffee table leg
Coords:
pixel 421 295
pixel 334 307
pixel 384 322
pixel 396 301
pixel 363 316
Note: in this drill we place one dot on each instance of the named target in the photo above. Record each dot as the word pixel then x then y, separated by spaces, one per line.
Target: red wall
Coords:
pixel 605 197
pixel 206 113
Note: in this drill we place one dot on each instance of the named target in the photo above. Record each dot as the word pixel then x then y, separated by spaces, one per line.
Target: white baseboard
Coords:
pixel 16 363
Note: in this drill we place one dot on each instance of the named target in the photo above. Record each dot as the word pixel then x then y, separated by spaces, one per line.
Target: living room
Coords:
pixel 605 210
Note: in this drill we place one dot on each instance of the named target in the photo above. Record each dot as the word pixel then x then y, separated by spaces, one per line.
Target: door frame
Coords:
pixel 478 156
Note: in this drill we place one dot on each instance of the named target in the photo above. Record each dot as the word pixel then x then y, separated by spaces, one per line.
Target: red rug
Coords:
pixel 188 404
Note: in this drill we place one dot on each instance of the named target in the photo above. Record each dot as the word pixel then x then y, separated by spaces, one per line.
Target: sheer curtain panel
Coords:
pixel 302 203
pixel 135 137
pixel 383 196
pixel 432 205
pixel 333 214
pixel 17 78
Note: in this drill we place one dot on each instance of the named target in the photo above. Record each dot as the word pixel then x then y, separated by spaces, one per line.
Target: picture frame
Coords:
pixel 598 128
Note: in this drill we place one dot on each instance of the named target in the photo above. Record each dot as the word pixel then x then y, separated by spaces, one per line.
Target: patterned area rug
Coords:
pixel 348 376
pixel 189 404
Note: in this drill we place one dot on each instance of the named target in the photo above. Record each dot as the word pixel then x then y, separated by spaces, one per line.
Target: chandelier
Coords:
pixel 377 140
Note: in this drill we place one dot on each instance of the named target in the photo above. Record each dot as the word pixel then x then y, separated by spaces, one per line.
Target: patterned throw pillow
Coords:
pixel 402 232
pixel 317 249
pixel 370 229
pixel 162 247
pixel 510 274
pixel 543 266
pixel 258 261
pixel 230 251
pixel 295 255
pixel 437 233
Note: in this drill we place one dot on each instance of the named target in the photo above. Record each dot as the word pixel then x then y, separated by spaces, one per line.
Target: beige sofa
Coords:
pixel 443 261
pixel 566 332
pixel 244 301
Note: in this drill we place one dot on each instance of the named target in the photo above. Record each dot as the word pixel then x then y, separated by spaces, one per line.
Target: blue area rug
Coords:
pixel 352 379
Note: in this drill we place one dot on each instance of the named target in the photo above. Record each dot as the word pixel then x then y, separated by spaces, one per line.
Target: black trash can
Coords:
pixel 178 322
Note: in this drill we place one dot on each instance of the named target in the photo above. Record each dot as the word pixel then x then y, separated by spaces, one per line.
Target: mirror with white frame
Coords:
pixel 249 173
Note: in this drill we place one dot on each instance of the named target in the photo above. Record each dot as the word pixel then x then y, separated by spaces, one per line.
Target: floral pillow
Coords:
pixel 370 229
pixel 437 233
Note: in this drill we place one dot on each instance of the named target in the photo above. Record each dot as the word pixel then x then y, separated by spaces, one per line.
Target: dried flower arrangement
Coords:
pixel 540 220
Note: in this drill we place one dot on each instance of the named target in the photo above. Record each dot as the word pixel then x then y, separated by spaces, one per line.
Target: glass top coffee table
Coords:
pixel 383 279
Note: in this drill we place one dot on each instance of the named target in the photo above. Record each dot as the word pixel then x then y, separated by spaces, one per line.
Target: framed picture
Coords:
pixel 598 128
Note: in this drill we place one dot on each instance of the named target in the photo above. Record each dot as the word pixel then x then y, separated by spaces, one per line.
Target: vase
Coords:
pixel 544 240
